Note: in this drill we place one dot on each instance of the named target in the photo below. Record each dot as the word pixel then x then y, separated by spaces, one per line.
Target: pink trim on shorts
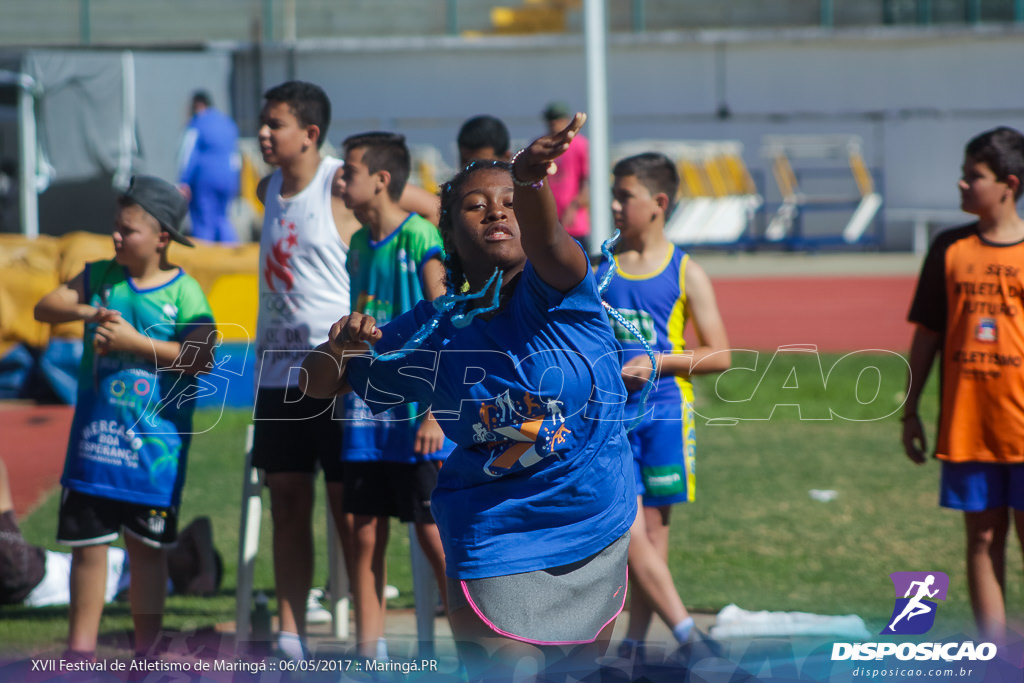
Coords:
pixel 493 627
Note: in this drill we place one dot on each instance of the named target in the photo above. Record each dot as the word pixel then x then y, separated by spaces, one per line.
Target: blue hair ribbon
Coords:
pixel 446 305
pixel 606 250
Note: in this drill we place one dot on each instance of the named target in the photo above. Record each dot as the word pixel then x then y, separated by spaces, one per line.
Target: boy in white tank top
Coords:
pixel 304 288
pixel 303 284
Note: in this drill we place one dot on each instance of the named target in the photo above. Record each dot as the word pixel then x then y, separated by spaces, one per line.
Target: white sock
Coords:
pixel 382 648
pixel 291 646
pixel 682 630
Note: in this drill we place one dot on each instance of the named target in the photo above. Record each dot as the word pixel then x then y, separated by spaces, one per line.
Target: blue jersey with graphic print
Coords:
pixel 132 425
pixel 541 475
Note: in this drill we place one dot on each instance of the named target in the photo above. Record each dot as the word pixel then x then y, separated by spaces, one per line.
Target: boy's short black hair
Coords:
pixel 201 97
pixel 484 131
pixel 384 152
pixel 653 170
pixel 308 102
pixel 1002 150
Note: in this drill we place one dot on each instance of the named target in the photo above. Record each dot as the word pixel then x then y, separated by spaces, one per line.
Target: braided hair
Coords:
pixel 453 304
pixel 455 278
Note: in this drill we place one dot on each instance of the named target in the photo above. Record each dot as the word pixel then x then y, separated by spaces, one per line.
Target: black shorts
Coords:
pixel 90 520
pixel 22 565
pixel 389 489
pixel 293 432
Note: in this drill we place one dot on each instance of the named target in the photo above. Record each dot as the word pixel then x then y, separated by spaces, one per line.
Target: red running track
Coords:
pixel 34 439
pixel 835 314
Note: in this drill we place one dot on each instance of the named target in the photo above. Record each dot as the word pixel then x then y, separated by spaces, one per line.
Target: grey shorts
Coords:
pixel 564 605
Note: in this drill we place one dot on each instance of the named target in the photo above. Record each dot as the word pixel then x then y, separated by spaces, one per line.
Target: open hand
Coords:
pixel 429 437
pixel 537 161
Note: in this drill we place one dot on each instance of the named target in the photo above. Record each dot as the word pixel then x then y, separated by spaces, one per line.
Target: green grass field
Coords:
pixel 779 427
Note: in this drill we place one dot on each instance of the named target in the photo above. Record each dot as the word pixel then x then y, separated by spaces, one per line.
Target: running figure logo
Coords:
pixel 914 613
pixel 515 434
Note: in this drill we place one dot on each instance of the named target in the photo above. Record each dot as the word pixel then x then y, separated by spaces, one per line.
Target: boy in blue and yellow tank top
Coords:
pixel 659 289
pixel 149 330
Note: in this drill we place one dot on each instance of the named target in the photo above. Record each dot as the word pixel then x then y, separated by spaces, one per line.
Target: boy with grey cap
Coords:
pixel 148 332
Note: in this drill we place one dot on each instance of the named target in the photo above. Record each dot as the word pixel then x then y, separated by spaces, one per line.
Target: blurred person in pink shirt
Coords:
pixel 571 183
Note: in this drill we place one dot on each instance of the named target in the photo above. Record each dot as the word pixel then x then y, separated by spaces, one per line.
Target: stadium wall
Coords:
pixel 914 95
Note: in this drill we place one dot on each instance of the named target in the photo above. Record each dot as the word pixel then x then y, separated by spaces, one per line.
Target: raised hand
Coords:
pixel 537 161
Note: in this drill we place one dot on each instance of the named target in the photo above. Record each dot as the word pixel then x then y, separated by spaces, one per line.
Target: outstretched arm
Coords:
pixel 67 303
pixel 910 588
pixel 712 353
pixel 323 373
pixel 555 256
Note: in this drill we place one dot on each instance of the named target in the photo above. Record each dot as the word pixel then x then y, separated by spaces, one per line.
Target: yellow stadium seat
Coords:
pixel 533 18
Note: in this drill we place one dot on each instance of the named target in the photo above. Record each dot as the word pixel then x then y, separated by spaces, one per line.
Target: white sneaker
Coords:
pixel 315 612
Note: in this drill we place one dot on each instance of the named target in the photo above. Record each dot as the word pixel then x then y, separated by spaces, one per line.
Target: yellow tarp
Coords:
pixel 29 269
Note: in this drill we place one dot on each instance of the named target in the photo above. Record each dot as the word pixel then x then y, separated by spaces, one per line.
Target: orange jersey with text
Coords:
pixel 972 292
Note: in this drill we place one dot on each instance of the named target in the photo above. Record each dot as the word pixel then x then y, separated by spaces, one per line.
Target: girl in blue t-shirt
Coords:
pixel 535 502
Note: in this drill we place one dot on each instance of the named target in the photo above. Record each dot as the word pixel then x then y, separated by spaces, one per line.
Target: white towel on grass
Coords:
pixel 734 622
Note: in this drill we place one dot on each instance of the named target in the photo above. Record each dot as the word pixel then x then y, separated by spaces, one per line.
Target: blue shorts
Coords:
pixel 979 486
pixel 664 455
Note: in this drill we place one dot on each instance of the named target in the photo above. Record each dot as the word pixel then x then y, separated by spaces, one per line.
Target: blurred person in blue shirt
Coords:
pixel 209 165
